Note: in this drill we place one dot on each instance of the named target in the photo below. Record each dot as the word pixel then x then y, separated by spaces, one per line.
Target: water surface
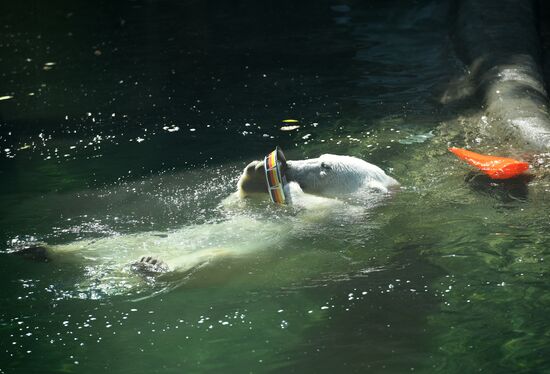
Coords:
pixel 132 120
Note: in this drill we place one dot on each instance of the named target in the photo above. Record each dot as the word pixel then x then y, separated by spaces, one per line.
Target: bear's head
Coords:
pixel 334 175
pixel 327 175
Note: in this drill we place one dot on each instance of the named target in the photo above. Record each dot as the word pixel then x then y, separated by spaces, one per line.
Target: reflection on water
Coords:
pixel 124 127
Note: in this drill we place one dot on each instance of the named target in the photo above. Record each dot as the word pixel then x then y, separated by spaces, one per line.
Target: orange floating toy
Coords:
pixel 494 167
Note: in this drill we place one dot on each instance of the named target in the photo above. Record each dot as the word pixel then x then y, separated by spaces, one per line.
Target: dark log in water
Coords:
pixel 499 42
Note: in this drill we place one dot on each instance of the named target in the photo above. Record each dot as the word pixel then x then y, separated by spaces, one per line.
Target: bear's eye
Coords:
pixel 325 166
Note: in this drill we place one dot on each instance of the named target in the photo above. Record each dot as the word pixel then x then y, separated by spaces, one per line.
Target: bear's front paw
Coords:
pixel 149 265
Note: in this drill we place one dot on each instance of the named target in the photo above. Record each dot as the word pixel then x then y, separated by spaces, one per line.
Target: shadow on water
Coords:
pixel 507 190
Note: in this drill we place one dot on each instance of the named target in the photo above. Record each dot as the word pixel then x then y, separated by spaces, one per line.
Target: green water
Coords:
pixel 138 133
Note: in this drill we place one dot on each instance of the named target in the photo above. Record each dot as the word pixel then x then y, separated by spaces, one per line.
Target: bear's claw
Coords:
pixel 149 265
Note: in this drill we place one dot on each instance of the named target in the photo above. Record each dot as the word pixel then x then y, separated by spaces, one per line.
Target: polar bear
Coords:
pixel 314 186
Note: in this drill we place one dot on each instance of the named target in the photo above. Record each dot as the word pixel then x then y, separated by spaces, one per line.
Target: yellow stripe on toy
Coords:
pixel 274 178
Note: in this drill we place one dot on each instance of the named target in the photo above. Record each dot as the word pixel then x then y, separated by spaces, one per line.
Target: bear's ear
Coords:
pixel 251 168
pixel 260 167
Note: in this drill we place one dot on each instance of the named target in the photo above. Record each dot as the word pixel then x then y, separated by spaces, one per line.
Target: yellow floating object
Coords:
pixel 290 121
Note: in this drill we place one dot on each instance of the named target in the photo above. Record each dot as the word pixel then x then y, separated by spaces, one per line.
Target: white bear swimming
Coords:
pixel 249 227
